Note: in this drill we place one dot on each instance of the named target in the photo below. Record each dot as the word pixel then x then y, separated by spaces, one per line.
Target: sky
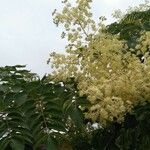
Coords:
pixel 28 35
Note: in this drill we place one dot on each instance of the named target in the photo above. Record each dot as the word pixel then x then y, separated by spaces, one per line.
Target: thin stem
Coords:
pixel 82 28
pixel 42 113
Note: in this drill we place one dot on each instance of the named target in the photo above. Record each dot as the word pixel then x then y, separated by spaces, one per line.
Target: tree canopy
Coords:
pixel 98 95
pixel 104 60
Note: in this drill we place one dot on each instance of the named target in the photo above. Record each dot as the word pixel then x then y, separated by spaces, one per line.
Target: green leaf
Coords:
pixel 19 66
pixel 67 105
pixel 40 139
pixel 20 98
pixel 57 125
pixel 26 138
pixel 16 88
pixel 36 130
pixel 51 145
pixel 4 87
pixel 17 145
pixel 4 143
pixel 28 105
pixel 77 116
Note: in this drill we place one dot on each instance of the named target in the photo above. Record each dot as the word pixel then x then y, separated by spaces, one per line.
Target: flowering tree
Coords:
pixel 104 60
pixel 110 65
pixel 98 94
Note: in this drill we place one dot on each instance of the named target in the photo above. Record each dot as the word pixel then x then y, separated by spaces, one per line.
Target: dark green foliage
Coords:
pixel 33 111
pixel 131 27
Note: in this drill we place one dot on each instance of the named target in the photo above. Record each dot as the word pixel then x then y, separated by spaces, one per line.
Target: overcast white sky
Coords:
pixel 27 34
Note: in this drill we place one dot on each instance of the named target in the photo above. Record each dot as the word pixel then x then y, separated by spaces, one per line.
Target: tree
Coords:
pixel 103 61
pixel 36 113
pixel 39 114
pixel 131 27
pixel 110 65
pixel 96 98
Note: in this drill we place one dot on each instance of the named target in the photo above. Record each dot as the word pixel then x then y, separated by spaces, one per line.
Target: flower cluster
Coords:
pixel 113 79
pixel 79 27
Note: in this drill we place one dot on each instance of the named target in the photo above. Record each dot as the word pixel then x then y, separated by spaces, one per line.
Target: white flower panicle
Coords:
pixel 113 79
